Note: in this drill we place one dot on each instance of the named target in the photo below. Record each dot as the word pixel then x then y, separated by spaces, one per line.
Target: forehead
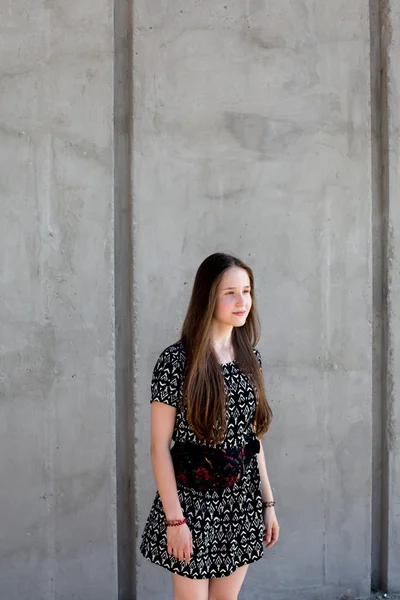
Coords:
pixel 235 277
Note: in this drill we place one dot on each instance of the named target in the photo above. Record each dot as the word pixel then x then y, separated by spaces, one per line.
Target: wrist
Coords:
pixel 178 516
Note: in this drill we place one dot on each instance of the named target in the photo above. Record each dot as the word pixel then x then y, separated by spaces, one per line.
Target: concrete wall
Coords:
pixel 57 407
pixel 155 133
pixel 252 134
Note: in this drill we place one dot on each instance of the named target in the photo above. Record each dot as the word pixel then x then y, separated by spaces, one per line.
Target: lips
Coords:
pixel 240 313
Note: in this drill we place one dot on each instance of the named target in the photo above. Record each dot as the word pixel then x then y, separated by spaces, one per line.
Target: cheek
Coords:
pixel 224 304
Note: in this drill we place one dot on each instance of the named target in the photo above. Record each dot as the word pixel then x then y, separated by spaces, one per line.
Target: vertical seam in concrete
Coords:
pixel 385 36
pixel 377 323
pixel 124 278
pixel 380 38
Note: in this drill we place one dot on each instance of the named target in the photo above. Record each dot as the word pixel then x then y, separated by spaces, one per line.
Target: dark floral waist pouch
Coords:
pixel 207 468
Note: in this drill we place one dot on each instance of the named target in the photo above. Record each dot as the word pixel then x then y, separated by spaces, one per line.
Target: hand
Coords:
pixel 271 527
pixel 179 540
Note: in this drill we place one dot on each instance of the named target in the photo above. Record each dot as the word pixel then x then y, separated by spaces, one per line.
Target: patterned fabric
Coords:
pixel 227 526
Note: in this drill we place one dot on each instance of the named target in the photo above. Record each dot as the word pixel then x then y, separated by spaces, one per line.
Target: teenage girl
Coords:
pixel 208 520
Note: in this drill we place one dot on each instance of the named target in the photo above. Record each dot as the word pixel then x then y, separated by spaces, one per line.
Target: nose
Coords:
pixel 240 300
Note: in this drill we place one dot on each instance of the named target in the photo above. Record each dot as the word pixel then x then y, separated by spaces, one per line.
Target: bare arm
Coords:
pixel 266 489
pixel 162 427
pixel 271 531
pixel 179 539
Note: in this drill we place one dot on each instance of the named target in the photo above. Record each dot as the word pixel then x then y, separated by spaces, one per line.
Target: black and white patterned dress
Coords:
pixel 227 527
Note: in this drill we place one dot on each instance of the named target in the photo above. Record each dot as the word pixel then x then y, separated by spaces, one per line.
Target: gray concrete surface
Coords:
pixel 252 134
pixel 266 129
pixel 57 404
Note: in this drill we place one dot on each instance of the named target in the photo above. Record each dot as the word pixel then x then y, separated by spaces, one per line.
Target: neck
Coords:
pixel 221 336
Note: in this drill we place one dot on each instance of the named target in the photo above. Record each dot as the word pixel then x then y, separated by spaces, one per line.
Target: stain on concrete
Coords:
pixel 261 134
pixel 256 37
pixel 286 24
pixel 74 492
pixel 32 369
pixel 233 194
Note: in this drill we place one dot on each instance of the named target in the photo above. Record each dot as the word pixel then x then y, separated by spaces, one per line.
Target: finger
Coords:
pixel 170 550
pixel 274 538
pixel 271 543
pixel 275 533
pixel 180 554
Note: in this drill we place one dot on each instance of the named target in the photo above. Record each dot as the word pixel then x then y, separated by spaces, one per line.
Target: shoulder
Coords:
pixel 171 360
pixel 175 353
pixel 167 377
pixel 258 357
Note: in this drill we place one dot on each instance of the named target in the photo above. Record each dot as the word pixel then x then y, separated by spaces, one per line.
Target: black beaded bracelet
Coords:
pixel 268 503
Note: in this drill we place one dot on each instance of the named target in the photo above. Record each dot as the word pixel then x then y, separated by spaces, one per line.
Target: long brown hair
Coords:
pixel 204 388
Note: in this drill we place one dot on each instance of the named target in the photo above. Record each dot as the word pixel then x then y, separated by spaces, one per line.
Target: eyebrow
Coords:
pixel 233 288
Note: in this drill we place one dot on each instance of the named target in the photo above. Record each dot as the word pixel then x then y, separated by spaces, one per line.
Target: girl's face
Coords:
pixel 233 298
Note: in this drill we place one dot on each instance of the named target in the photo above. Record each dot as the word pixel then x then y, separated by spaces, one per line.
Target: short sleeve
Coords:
pixel 258 357
pixel 166 383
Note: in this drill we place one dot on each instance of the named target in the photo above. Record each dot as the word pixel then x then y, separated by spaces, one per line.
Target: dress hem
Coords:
pixel 176 571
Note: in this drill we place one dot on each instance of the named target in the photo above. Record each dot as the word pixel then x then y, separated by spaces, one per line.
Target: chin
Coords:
pixel 239 321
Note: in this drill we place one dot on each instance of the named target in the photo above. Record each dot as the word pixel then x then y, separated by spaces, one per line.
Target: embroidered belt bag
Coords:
pixel 204 468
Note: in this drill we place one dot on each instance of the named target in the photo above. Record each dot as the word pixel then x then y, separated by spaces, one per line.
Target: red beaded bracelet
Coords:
pixel 175 523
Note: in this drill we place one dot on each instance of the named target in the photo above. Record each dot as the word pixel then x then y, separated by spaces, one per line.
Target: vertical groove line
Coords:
pixel 384 29
pixel 380 193
pixel 124 278
pixel 377 316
